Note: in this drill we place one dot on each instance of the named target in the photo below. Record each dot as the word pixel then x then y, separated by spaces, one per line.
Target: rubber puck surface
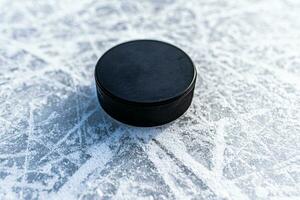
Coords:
pixel 145 82
pixel 145 71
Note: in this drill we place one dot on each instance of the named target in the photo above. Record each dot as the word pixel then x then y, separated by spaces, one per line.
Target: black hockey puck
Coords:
pixel 145 82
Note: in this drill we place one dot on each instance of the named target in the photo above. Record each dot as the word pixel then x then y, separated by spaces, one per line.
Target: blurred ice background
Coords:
pixel 240 139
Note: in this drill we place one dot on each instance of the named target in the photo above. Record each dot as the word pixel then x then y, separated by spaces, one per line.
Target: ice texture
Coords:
pixel 240 139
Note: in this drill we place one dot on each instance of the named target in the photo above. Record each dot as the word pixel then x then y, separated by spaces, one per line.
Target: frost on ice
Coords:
pixel 239 139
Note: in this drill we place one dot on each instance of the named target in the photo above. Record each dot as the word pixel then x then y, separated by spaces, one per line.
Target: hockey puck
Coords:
pixel 145 82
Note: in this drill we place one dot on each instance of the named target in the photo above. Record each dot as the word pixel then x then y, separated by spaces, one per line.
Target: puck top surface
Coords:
pixel 145 71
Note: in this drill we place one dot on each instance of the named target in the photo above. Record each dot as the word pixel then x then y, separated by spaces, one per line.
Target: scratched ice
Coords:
pixel 240 139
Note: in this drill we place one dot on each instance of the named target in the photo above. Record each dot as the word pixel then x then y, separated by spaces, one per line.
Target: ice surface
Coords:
pixel 240 139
